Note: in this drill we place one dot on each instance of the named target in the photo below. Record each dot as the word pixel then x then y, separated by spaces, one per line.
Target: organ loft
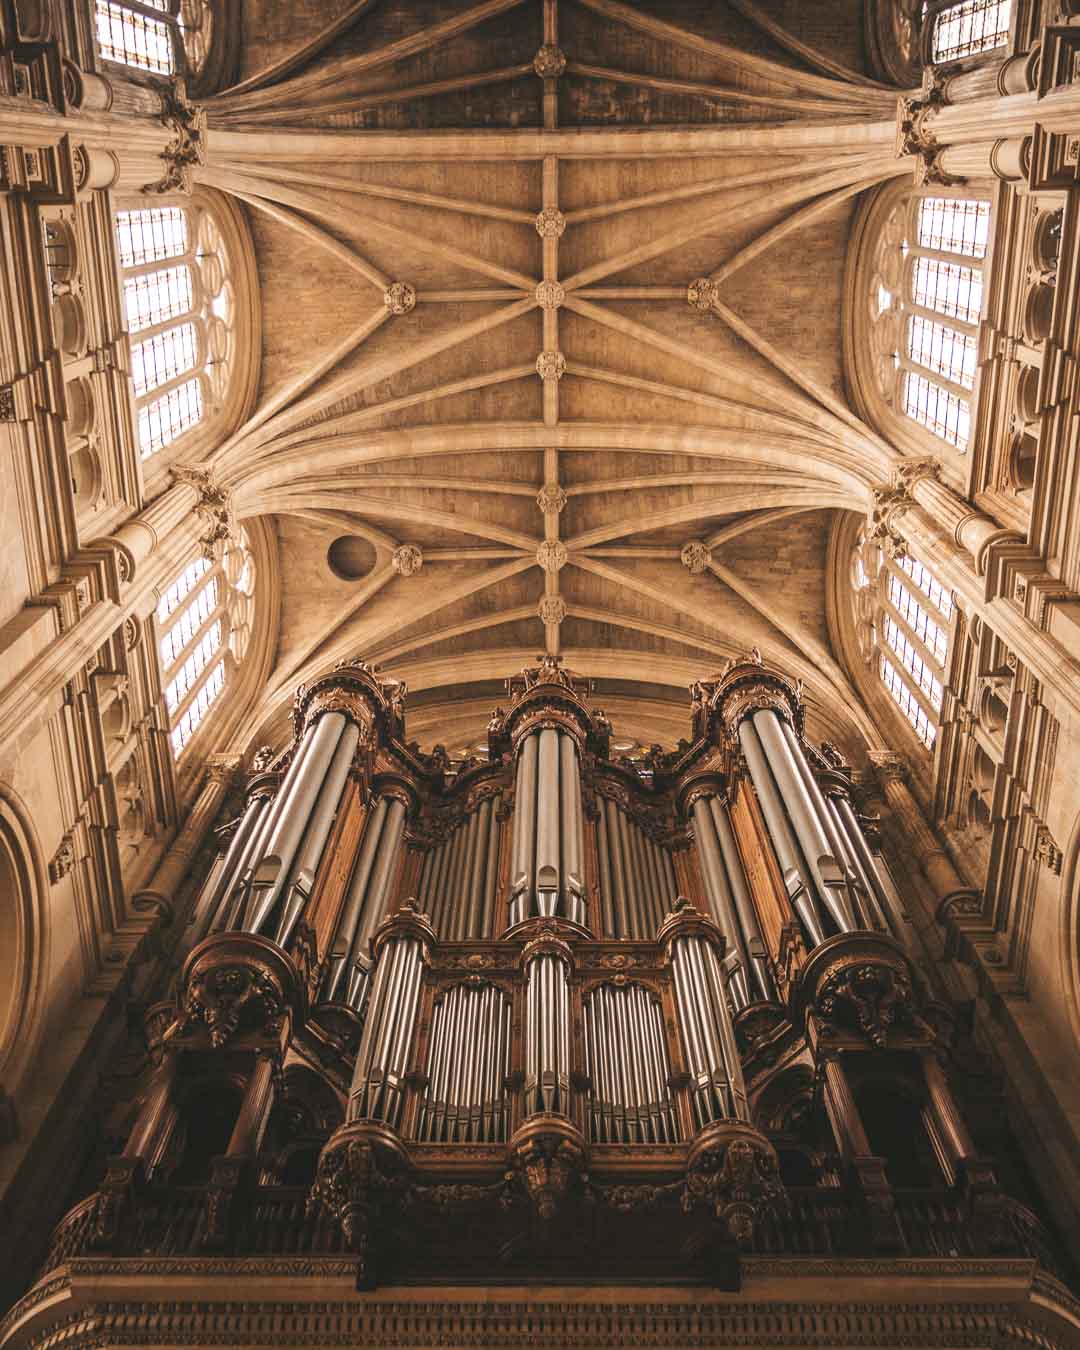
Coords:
pixel 539 674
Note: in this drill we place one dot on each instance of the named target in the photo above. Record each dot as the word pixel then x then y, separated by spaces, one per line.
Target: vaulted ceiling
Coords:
pixel 619 331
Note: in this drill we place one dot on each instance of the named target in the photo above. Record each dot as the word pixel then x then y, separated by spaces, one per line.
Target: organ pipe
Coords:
pixel 637 877
pixel 547 1032
pixel 626 1056
pixel 548 839
pixel 460 875
pixel 378 1084
pixel 717 1089
pixel 468 1062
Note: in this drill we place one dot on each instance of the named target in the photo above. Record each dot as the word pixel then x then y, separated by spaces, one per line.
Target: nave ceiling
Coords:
pixel 660 420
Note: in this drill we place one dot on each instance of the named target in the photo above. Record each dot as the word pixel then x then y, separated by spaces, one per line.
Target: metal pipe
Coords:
pixel 618 871
pixel 474 865
pixel 217 884
pixel 270 818
pixel 672 882
pixel 301 876
pixel 744 905
pixel 524 871
pixel 798 880
pixel 626 871
pixel 438 883
pixel 228 913
pixel 272 870
pixel 570 829
pixel 639 885
pixel 723 904
pixel 853 830
pixel 548 885
pixel 607 908
pixel 491 871
pixel 579 843
pixel 824 868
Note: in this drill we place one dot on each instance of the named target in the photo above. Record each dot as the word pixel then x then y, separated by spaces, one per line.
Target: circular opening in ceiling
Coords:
pixel 350 557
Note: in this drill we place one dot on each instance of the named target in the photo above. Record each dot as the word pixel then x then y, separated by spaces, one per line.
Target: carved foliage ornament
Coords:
pixel 737 1178
pixel 231 996
pixel 549 62
pixel 550 295
pixel 546 1166
pixel 702 293
pixel 551 365
pixel 695 556
pixel 400 298
pixel 868 994
pixel 214 506
pixel 187 148
pixel 551 497
pixel 552 555
pixel 350 1186
pixel 550 223
pixel 407 560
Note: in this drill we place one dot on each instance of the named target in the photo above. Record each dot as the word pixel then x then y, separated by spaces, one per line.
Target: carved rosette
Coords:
pixel 551 609
pixel 552 555
pixel 550 295
pixel 407 560
pixel 733 1171
pixel 695 556
pixel 551 497
pixel 400 298
pixel 858 987
pixel 237 987
pixel 361 1168
pixel 549 62
pixel 550 223
pixel 702 293
pixel 546 1163
pixel 551 365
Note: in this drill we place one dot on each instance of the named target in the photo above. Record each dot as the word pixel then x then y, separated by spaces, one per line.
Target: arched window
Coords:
pixel 180 308
pixel 925 284
pixel 203 623
pixel 958 28
pixel 905 617
pixel 160 36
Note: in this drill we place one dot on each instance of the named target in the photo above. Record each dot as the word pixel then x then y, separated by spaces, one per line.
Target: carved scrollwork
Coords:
pixel 859 985
pixel 236 984
pixel 360 1169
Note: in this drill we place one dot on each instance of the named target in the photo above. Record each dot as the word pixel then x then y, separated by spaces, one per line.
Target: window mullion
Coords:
pixel 938 316
pixel 935 377
pixel 177 321
pixel 160 265
pixel 909 681
pixel 193 693
pixel 160 390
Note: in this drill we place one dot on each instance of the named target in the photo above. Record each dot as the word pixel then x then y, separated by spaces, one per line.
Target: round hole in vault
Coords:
pixel 350 557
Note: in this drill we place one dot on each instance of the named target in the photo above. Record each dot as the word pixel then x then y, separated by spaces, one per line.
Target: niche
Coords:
pixel 350 557
pixel 208 1114
pixel 892 1115
pixel 1023 456
pixel 1039 311
pixel 1046 241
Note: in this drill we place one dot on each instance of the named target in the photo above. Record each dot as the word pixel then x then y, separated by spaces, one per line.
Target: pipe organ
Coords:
pixel 576 975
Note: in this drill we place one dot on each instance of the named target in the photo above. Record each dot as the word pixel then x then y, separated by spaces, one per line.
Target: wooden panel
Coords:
pixel 331 884
pixel 688 875
pixel 762 869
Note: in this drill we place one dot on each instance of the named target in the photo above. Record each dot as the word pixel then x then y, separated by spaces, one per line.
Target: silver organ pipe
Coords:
pixel 796 873
pixel 209 911
pixel 270 870
pixel 637 876
pixel 717 1090
pixel 630 1097
pixel 468 1063
pixel 459 876
pixel 547 872
pixel 547 1034
pixel 377 1091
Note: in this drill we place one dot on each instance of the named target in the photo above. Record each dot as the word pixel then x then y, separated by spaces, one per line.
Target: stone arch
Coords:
pixel 24 939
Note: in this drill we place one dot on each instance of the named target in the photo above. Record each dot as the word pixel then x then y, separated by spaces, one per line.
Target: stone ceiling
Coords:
pixel 526 338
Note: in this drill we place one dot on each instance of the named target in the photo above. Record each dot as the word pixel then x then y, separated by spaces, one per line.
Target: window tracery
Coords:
pixel 203 622
pixel 179 304
pixel 968 28
pixel 162 37
pixel 904 618
pixel 926 299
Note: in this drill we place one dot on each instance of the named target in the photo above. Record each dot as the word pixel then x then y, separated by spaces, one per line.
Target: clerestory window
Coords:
pixel 965 28
pixel 928 297
pixel 203 621
pixel 162 37
pixel 906 621
pixel 177 299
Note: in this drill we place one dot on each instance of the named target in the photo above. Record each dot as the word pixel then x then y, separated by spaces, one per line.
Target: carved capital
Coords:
pixel 237 986
pixel 888 766
pixel 214 508
pixel 187 121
